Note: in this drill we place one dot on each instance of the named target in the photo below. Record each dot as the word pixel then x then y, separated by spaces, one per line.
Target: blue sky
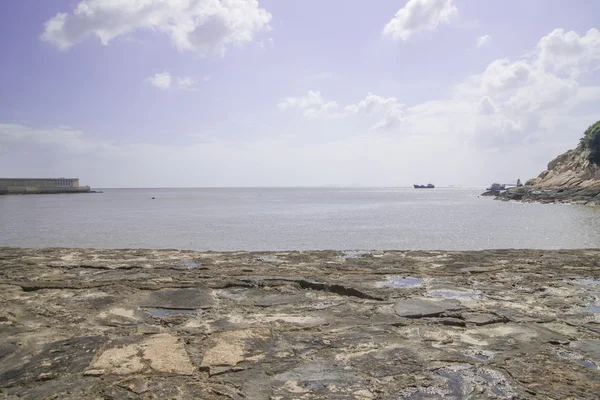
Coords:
pixel 180 93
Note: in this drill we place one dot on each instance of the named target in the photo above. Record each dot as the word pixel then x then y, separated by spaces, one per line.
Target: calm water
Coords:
pixel 283 219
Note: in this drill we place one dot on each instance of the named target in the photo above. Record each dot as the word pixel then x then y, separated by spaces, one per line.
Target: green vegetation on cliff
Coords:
pixel 591 141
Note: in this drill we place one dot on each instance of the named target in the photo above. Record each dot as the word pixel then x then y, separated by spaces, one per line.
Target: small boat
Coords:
pixel 428 186
pixel 496 186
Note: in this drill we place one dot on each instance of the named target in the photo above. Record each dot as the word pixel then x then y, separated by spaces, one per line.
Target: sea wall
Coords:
pixel 41 186
pixel 146 324
pixel 42 190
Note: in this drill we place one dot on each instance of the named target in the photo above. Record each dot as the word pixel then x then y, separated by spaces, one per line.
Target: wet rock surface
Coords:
pixel 142 324
pixel 532 194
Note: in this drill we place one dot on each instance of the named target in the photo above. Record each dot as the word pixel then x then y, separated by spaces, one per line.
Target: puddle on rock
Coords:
pixel 481 355
pixel 191 264
pixel 399 282
pixel 586 282
pixel 352 254
pixel 595 309
pixel 459 380
pixel 455 294
pixel 579 359
pixel 163 312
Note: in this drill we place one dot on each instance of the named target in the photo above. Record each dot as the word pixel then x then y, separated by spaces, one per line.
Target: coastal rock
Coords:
pixel 228 348
pixel 572 177
pixel 418 308
pixel 501 324
pixel 482 318
pixel 161 353
pixel 180 299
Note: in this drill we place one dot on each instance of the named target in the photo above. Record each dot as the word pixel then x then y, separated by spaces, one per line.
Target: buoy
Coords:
pixel 153 198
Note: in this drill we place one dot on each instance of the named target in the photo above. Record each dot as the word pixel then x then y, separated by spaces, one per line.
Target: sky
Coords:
pixel 236 93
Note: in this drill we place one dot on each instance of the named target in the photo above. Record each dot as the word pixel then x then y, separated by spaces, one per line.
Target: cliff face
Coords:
pixel 569 170
pixel 570 178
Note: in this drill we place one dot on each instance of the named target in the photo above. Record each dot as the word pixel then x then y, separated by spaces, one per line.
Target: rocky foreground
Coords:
pixel 144 324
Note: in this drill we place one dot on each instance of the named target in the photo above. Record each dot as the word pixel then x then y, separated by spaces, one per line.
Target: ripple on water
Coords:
pixel 401 282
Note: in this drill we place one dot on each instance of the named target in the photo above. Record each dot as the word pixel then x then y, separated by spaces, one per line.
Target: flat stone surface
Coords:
pixel 6 349
pixel 184 299
pixel 278 300
pixel 589 348
pixel 161 353
pixel 481 318
pixel 417 308
pixel 228 348
pixel 138 324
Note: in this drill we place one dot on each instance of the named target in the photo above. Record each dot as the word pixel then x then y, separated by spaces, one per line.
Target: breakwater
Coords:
pixel 41 186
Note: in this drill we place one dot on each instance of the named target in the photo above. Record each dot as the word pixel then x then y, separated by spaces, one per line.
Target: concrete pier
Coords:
pixel 41 186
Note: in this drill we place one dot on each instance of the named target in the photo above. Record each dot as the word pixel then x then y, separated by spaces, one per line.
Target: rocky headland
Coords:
pixel 572 177
pixel 167 324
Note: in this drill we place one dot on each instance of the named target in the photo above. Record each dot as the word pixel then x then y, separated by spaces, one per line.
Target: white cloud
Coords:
pixel 542 91
pixel 505 122
pixel 326 110
pixel 185 83
pixel 483 40
pixel 569 52
pixel 510 103
pixel 518 101
pixel 313 104
pixel 204 26
pixel 418 16
pixel 266 162
pixel 160 80
pixel 312 98
pixel 386 110
pixel 486 106
pixel 494 129
pixel 545 79
pixel 373 103
pixel 501 75
pixel 163 81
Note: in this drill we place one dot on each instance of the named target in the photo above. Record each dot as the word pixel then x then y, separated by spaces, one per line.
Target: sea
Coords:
pixel 272 219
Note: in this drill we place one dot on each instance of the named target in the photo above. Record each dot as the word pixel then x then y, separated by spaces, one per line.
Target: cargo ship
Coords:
pixel 428 186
